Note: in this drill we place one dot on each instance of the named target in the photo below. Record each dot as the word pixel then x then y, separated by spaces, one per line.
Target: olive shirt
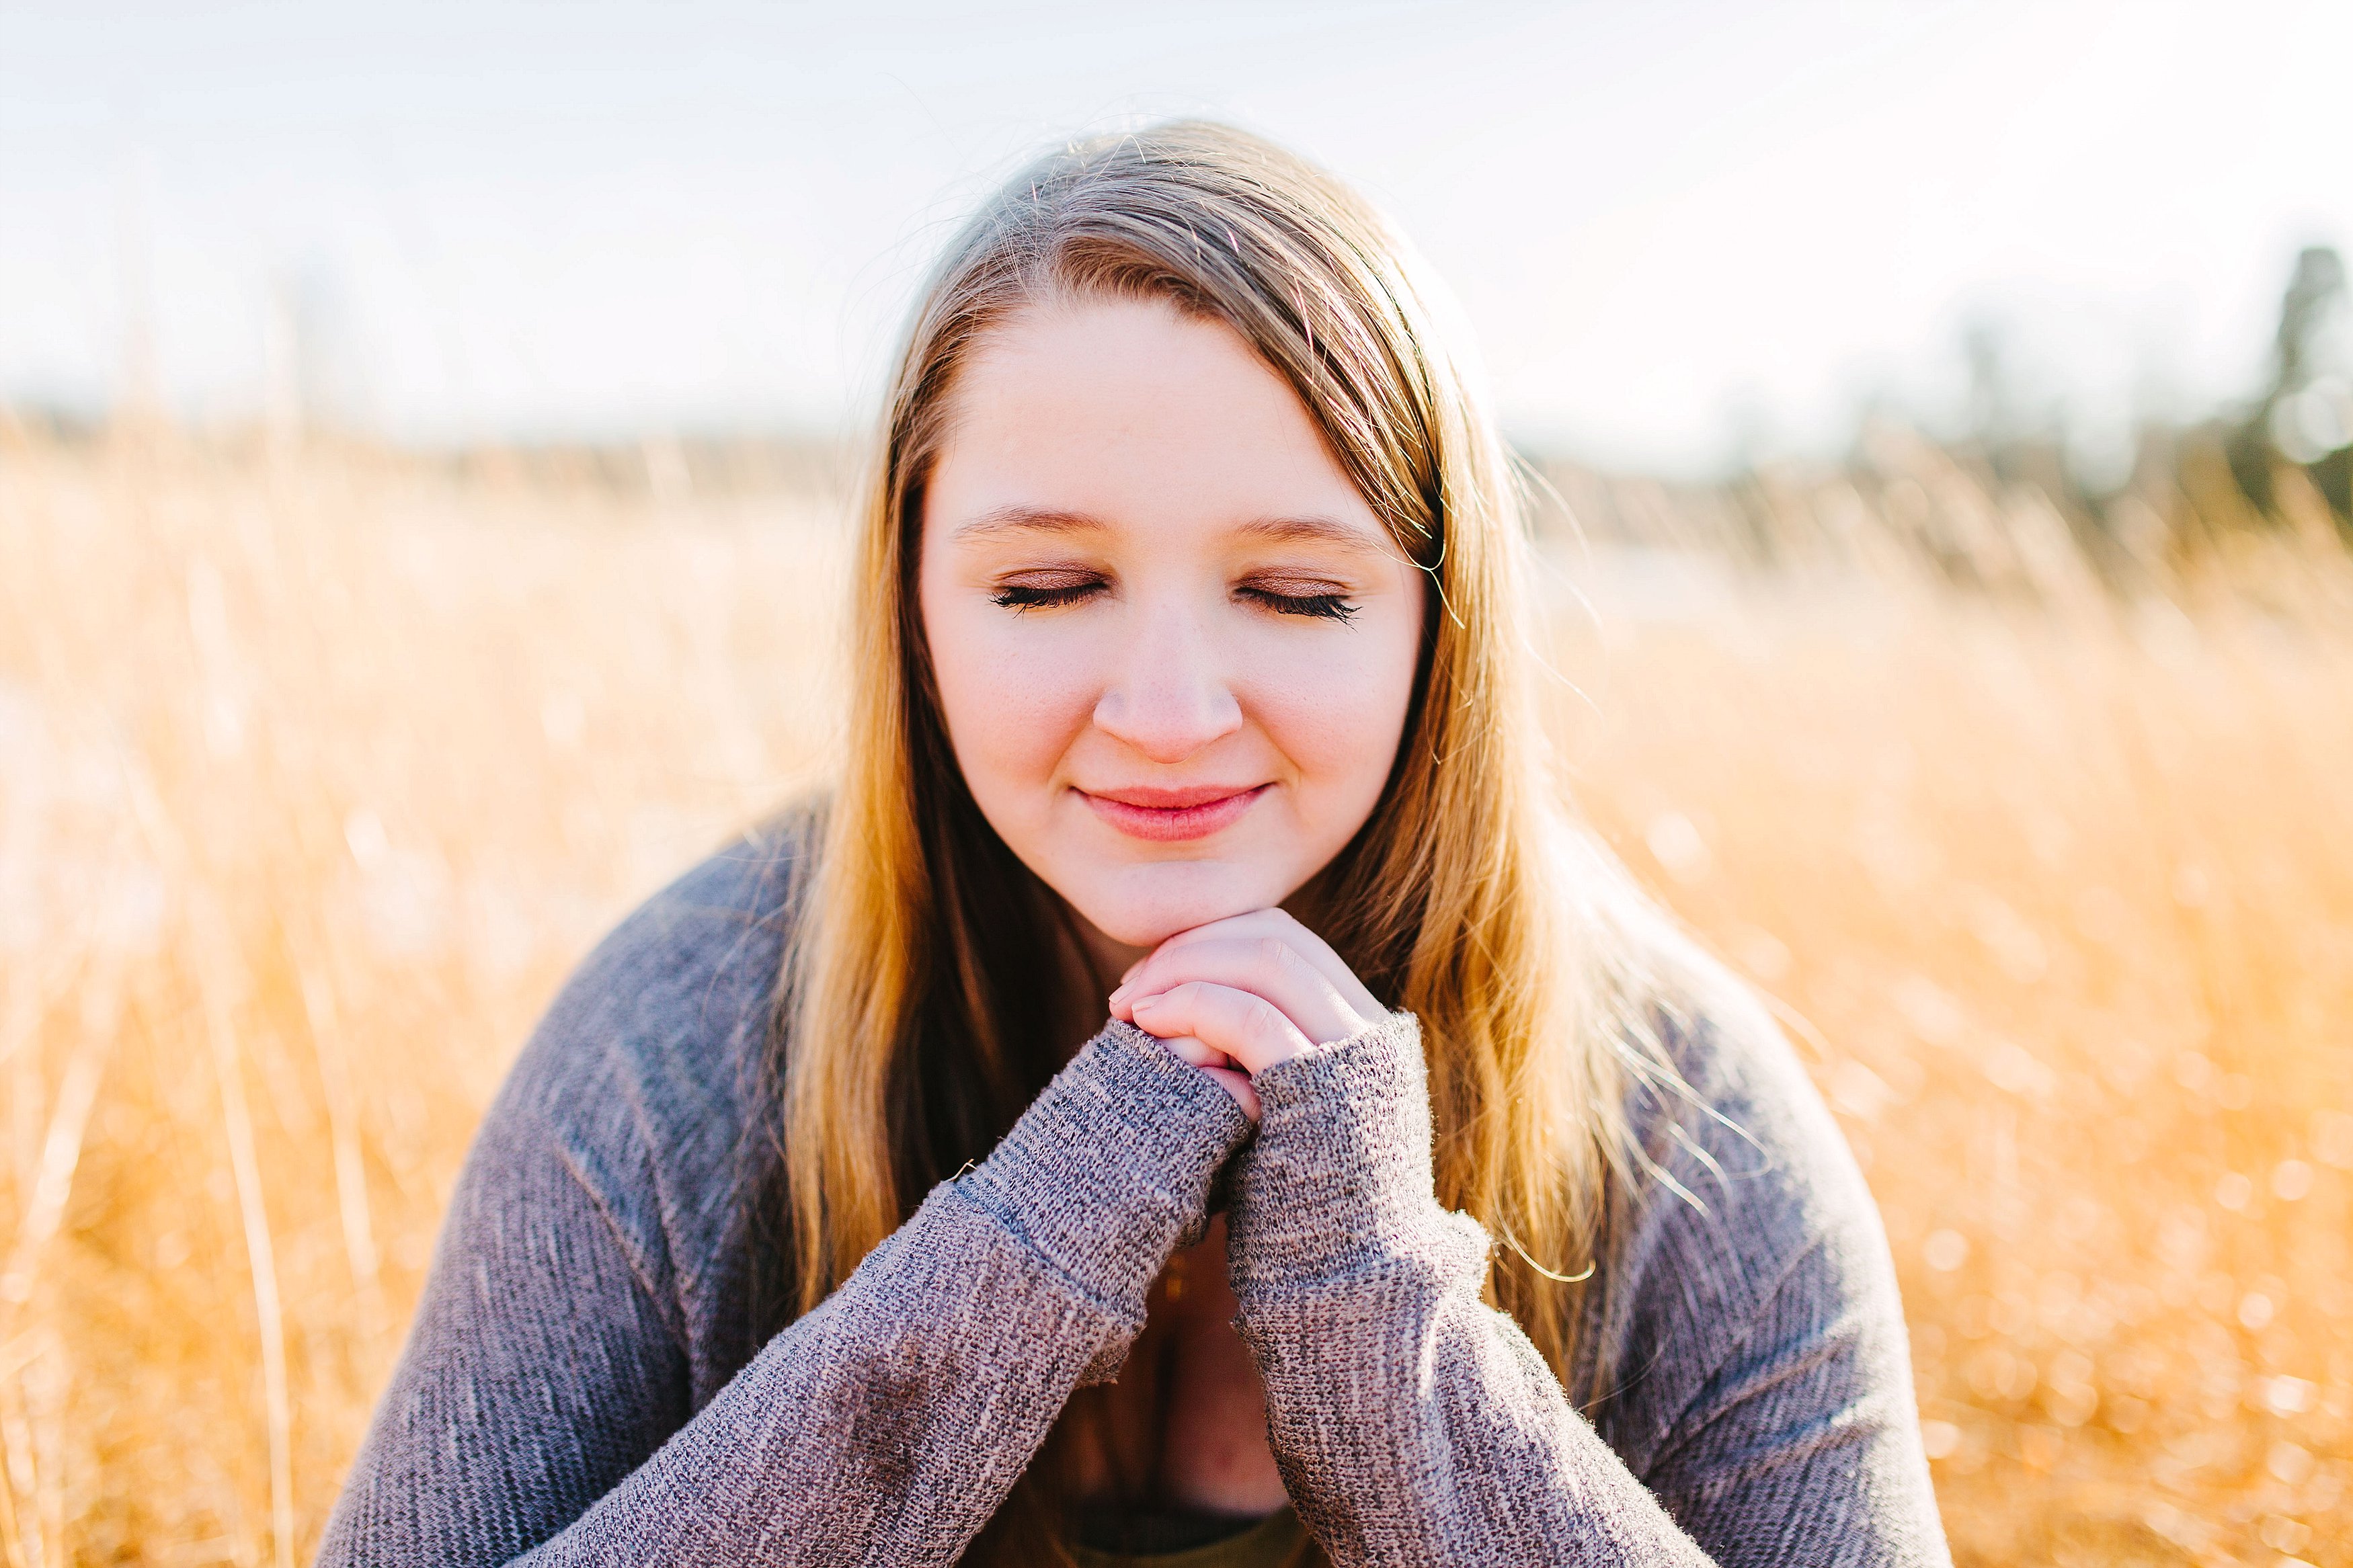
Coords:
pixel 1271 1541
pixel 580 1385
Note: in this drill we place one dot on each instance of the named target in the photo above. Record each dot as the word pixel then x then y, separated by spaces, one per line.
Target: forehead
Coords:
pixel 1131 413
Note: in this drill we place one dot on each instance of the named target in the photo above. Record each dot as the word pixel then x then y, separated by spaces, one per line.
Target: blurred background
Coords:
pixel 426 441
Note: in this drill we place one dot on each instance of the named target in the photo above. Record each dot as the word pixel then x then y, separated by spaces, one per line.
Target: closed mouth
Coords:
pixel 1166 815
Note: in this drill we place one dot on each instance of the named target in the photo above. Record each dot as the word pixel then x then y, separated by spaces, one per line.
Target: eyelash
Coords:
pixel 1317 606
pixel 1016 597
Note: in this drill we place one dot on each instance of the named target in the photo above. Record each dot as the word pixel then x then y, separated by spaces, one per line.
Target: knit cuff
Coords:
pixel 1338 1179
pixel 1110 1167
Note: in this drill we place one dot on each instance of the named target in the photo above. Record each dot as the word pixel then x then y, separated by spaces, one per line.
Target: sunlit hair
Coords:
pixel 919 1004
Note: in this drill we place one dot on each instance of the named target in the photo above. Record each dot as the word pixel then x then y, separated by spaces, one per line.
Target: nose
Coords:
pixel 1170 696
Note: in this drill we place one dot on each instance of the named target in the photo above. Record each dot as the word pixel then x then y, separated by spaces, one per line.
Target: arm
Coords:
pixel 1415 1424
pixel 539 1413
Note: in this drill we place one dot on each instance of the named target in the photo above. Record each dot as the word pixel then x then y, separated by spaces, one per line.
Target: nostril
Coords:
pixel 1166 725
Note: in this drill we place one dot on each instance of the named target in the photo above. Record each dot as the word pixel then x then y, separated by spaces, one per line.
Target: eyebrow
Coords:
pixel 1041 520
pixel 1310 528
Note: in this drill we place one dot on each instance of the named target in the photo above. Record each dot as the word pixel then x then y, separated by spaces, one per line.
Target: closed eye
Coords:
pixel 1027 596
pixel 1329 607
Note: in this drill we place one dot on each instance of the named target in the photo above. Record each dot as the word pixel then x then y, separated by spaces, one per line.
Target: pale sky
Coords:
pixel 1669 221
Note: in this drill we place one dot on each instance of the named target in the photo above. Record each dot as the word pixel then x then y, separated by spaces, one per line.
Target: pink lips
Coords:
pixel 1172 816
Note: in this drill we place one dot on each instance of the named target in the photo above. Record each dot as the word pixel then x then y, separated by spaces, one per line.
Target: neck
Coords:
pixel 1109 959
pixel 1093 970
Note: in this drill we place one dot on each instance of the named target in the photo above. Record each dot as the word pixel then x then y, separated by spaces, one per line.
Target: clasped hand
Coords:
pixel 1235 997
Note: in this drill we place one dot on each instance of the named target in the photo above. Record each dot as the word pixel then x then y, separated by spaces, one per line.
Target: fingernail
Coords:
pixel 1118 996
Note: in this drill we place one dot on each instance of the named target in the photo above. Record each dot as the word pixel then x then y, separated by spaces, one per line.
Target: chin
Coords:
pixel 1146 910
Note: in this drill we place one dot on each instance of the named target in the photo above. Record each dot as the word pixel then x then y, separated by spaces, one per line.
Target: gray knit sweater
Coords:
pixel 579 1387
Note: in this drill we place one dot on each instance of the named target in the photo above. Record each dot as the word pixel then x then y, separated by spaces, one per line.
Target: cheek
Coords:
pixel 1337 716
pixel 1012 701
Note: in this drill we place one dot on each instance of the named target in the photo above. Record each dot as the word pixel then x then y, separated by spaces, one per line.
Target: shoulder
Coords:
pixel 671 980
pixel 1744 1220
pixel 638 1078
pixel 1751 1169
pixel 678 992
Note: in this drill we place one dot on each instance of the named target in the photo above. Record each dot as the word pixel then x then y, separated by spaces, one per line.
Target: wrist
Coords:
pixel 1110 1168
pixel 1339 1178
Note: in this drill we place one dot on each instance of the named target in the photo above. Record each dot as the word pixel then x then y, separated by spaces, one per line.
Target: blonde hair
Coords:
pixel 911 1009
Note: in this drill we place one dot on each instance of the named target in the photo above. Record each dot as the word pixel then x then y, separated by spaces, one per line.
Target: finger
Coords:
pixel 1265 965
pixel 1236 1083
pixel 1245 1027
pixel 1196 1052
pixel 1282 923
pixel 1218 1066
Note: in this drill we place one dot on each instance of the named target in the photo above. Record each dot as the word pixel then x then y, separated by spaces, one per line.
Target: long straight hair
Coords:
pixel 916 1015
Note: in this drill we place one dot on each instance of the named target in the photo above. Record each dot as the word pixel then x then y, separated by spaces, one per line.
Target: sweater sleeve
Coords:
pixel 539 1415
pixel 1415 1424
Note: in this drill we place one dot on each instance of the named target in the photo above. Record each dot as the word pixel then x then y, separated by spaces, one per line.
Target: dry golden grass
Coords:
pixel 317 773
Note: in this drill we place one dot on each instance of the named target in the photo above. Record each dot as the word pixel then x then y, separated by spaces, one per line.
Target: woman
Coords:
pixel 1186 1098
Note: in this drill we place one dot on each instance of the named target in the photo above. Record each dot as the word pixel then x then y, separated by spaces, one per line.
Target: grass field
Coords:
pixel 318 771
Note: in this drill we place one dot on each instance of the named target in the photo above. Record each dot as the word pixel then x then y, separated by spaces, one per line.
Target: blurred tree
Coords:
pixel 2317 283
pixel 2306 414
pixel 1993 417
